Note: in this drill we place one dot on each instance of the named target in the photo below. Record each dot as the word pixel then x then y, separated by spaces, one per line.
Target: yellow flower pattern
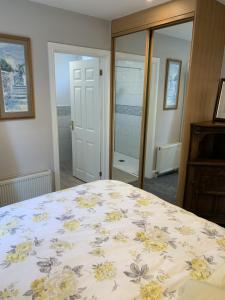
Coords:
pixel 162 277
pixel 113 216
pixel 143 202
pixel 40 217
pixel 8 227
pixel 87 202
pixel 103 240
pixel 38 285
pixel 19 253
pixel 142 236
pixel 98 252
pixel 185 230
pixel 120 237
pixel 115 195
pixel 104 271
pixel 8 293
pixel 153 241
pixel 59 286
pixel 221 243
pixel 3 231
pixel 145 214
pixel 151 291
pixel 60 245
pixel 155 246
pixel 200 269
pixel 71 225
pixel 100 230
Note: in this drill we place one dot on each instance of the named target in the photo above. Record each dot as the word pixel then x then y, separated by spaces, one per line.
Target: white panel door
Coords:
pixel 85 111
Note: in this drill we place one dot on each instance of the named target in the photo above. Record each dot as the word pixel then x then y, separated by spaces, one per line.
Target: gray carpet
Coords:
pixel 164 186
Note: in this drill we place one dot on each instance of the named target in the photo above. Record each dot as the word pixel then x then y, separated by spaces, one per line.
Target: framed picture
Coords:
pixel 172 83
pixel 219 113
pixel 16 82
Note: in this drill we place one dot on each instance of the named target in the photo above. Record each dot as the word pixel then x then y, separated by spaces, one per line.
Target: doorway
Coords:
pixel 85 118
pixel 79 81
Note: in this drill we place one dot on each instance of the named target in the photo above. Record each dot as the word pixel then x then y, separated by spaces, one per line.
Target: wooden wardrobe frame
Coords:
pixel 206 58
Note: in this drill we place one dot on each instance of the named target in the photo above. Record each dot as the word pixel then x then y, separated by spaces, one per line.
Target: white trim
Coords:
pixel 151 125
pixel 156 60
pixel 104 56
pixel 129 56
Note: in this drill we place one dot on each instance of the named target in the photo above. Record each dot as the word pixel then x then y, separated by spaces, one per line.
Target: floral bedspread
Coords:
pixel 100 241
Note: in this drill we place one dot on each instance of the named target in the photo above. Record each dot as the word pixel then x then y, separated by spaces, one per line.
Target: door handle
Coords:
pixel 72 125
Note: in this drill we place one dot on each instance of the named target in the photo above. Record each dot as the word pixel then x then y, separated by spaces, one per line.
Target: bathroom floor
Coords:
pixel 126 163
pixel 66 177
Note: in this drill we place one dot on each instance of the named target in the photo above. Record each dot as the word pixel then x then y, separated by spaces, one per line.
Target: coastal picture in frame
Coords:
pixel 172 83
pixel 16 82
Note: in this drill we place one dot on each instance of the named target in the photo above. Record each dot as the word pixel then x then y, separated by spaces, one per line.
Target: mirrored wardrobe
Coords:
pixel 129 70
pixel 166 66
pixel 150 73
pixel 166 105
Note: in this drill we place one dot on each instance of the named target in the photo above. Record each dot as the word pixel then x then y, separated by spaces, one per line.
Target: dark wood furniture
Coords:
pixel 205 182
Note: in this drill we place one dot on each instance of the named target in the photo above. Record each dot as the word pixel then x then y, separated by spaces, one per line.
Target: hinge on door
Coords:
pixel 100 174
pixel 100 72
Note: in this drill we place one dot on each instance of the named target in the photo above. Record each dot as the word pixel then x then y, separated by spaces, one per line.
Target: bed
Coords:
pixel 103 240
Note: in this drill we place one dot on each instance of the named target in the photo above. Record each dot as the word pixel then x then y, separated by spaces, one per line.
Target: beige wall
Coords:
pixel 26 146
pixel 168 122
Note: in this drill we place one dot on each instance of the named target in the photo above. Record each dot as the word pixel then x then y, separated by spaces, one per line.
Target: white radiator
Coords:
pixel 168 158
pixel 23 188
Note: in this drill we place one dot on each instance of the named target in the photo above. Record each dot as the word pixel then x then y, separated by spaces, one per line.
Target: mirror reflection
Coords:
pixel 220 110
pixel 169 75
pixel 129 88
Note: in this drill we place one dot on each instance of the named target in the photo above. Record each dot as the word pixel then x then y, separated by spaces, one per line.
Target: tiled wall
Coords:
pixel 129 97
pixel 128 129
pixel 65 138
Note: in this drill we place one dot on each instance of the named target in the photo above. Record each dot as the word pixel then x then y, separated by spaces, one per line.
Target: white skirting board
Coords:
pixel 168 158
pixel 26 187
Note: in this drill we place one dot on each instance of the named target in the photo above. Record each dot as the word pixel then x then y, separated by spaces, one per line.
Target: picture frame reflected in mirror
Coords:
pixel 172 84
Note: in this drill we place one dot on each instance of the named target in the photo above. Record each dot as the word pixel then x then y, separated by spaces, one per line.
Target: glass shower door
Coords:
pixel 128 106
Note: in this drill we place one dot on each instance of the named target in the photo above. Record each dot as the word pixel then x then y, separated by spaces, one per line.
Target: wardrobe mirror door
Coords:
pixel 166 104
pixel 129 69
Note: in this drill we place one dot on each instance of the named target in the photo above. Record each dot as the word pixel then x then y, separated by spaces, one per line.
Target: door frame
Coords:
pixel 104 59
pixel 151 120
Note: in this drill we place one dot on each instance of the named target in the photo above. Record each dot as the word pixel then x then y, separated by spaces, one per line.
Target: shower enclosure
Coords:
pixel 128 105
pixel 129 72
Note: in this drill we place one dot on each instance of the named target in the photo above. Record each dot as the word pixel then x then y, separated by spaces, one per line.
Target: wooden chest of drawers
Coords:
pixel 205 183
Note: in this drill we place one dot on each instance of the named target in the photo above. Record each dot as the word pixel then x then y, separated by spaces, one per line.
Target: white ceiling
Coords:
pixel 105 9
pixel 181 31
